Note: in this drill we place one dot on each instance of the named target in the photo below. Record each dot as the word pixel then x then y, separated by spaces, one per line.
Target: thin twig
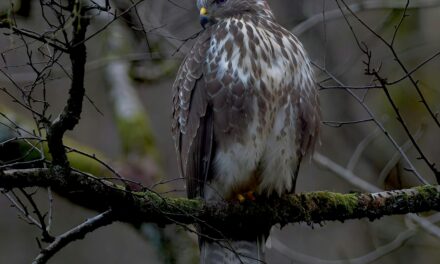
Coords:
pixel 390 46
pixel 376 121
pixel 365 259
pixel 395 159
pixel 41 218
pixel 77 233
pixel 343 123
pixel 317 18
pixel 351 164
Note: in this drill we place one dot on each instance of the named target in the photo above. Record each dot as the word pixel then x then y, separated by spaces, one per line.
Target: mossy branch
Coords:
pixel 313 207
pixel 71 113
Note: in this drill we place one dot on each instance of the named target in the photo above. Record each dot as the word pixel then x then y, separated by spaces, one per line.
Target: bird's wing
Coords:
pixel 307 104
pixel 192 120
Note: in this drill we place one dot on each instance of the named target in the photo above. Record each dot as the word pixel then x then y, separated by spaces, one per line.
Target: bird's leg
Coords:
pixel 248 189
pixel 249 195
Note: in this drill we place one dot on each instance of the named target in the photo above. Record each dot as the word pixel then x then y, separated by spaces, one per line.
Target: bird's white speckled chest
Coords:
pixel 266 63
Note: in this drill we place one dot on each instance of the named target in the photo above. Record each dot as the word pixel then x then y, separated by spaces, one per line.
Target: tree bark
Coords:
pixel 225 218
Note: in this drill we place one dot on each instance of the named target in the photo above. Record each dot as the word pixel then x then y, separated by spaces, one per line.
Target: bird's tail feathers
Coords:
pixel 232 252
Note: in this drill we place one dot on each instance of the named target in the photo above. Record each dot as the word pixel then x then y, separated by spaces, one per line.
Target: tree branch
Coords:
pixel 70 116
pixel 53 42
pixel 358 7
pixel 76 233
pixel 313 207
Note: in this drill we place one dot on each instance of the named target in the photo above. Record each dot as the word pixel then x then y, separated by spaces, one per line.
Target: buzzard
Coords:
pixel 245 112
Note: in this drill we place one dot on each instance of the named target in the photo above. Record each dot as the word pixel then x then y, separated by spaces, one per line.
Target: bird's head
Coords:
pixel 212 11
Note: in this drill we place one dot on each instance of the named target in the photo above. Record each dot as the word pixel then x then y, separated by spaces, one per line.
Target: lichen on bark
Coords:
pixel 227 217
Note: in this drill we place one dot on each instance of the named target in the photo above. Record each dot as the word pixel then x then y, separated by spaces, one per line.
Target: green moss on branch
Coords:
pixel 313 207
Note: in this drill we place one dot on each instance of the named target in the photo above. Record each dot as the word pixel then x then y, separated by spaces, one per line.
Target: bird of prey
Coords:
pixel 245 112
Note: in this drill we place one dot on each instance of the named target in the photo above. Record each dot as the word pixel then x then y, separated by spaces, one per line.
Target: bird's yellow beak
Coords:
pixel 203 11
pixel 204 18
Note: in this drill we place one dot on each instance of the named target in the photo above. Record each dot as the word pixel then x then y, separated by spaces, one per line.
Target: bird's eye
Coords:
pixel 220 1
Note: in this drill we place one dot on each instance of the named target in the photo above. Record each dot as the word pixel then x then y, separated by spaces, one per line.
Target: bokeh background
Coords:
pixel 129 74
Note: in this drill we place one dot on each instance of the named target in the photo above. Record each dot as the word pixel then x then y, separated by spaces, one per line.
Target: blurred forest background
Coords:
pixel 131 65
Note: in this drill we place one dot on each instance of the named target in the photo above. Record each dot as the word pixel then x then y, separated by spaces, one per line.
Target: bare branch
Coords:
pixel 358 7
pixel 376 121
pixel 74 234
pixel 54 43
pixel 365 259
pixel 404 124
pixel 369 70
pixel 72 111
pixel 41 218
pixel 390 45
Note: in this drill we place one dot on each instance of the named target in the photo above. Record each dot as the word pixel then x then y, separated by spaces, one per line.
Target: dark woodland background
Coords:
pixel 120 56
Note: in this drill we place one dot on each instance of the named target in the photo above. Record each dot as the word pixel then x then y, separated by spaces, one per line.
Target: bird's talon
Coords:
pixel 240 198
pixel 250 195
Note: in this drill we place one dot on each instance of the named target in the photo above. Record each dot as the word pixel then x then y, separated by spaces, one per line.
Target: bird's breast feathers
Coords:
pixel 254 73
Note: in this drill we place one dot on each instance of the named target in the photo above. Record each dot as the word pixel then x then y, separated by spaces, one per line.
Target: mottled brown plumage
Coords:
pixel 245 106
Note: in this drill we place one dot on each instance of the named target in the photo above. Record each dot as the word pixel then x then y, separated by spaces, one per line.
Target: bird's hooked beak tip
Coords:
pixel 203 11
pixel 204 19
